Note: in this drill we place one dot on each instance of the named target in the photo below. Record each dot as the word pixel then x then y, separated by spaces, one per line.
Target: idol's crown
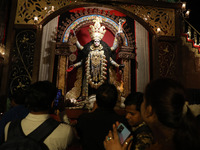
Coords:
pixel 97 31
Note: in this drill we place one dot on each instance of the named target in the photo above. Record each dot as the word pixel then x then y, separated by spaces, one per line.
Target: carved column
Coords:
pixel 126 54
pixel 63 51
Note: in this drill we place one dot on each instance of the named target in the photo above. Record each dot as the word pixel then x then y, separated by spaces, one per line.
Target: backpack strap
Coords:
pixel 15 129
pixel 39 134
pixel 44 130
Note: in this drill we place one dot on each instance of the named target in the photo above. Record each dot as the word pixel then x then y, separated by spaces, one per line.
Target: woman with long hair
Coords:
pixel 165 111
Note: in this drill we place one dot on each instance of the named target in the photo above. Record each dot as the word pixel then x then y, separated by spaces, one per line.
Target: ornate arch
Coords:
pixel 66 44
pixel 86 17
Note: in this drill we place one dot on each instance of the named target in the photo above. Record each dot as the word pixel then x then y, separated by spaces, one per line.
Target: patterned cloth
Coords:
pixel 142 137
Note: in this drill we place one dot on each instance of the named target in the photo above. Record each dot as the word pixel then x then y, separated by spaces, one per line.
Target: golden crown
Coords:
pixel 97 31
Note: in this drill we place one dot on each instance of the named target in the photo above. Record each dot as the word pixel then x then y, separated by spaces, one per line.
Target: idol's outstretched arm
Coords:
pixel 120 66
pixel 79 46
pixel 115 43
pixel 120 27
pixel 71 67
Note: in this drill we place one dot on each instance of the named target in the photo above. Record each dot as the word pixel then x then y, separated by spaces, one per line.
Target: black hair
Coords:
pixel 85 51
pixel 83 54
pixel 18 96
pixel 187 136
pixel 167 98
pixel 135 98
pixel 106 96
pixel 40 96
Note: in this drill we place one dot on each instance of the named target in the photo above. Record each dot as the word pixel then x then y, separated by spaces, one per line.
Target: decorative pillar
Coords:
pixel 126 54
pixel 63 52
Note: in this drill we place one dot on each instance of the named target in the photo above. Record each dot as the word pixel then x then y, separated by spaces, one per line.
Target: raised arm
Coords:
pixel 79 46
pixel 120 66
pixel 120 27
pixel 115 44
pixel 114 63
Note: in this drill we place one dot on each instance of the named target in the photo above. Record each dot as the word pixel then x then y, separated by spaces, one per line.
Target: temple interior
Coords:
pixel 39 42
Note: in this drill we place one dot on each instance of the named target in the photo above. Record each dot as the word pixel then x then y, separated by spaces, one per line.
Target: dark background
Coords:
pixel 194 18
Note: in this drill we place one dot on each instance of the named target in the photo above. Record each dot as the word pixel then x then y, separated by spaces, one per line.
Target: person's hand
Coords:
pixel 112 141
pixel 121 66
pixel 70 68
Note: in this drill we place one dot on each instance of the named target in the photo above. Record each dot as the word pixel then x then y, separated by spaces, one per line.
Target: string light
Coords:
pixel 183 11
pixel 187 13
pixel 2 50
pixel 35 19
pixel 49 10
pixel 158 30
pixel 184 6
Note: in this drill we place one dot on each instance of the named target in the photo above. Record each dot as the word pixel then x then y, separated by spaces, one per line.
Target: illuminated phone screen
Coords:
pixel 123 133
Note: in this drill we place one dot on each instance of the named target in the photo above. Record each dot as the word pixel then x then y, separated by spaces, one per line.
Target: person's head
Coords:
pixel 40 96
pixel 165 98
pixel 96 42
pixel 106 96
pixel 164 102
pixel 18 97
pixel 132 106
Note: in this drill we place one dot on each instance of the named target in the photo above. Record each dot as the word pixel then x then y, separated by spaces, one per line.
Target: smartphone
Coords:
pixel 58 97
pixel 123 133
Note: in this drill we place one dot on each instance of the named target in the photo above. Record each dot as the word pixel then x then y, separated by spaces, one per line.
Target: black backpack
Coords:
pixel 17 140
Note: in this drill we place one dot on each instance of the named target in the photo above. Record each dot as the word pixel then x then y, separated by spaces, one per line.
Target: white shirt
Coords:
pixel 59 139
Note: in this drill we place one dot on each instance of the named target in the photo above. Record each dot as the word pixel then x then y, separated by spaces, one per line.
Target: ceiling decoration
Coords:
pixel 161 20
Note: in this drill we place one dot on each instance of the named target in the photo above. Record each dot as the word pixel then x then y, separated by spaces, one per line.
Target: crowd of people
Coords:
pixel 158 119
pixel 162 110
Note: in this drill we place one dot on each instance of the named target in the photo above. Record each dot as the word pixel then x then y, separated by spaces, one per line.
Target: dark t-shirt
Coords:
pixel 92 128
pixel 17 112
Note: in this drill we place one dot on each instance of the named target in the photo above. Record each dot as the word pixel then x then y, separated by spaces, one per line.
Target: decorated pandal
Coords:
pixel 79 45
pixel 97 61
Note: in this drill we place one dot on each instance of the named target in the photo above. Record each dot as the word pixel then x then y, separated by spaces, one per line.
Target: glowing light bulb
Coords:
pixel 187 13
pixel 35 18
pixel 158 30
pixel 184 6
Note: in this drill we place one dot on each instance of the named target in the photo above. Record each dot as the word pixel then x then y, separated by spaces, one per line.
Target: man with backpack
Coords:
pixel 17 110
pixel 38 130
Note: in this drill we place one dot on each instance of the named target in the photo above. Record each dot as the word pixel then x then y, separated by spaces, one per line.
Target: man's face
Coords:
pixel 133 116
pixel 96 43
